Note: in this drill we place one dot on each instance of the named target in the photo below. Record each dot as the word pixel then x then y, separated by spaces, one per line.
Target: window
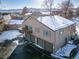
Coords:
pixel 48 46
pixel 29 27
pixel 28 37
pixel 46 33
pixel 40 42
pixel 32 38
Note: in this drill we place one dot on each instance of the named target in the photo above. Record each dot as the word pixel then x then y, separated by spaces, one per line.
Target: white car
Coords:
pixel 66 52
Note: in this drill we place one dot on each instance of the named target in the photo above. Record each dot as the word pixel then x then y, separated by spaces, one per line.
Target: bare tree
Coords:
pixel 66 7
pixel 48 4
pixel 70 13
pixel 66 4
pixel 25 10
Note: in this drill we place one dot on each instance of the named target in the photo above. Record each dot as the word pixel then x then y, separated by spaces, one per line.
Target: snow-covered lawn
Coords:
pixel 10 34
pixel 64 52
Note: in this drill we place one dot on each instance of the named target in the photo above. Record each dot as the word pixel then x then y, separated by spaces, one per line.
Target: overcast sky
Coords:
pixel 17 4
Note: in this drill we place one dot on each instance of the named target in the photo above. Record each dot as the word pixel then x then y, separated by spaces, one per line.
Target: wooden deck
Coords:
pixel 5 52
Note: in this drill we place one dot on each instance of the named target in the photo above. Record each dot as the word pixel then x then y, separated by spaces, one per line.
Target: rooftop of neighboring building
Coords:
pixel 16 21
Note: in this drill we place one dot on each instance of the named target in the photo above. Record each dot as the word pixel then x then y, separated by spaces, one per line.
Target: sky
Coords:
pixel 19 4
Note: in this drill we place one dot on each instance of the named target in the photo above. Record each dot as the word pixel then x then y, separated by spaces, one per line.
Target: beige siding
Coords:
pixel 60 38
pixel 36 24
pixel 73 29
pixel 39 33
pixel 57 38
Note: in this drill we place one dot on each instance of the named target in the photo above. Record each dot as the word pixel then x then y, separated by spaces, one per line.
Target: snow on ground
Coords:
pixel 10 34
pixel 64 51
pixel 16 21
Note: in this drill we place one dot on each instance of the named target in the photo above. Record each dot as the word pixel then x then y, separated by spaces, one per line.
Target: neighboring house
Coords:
pixel 34 14
pixel 50 32
pixel 2 23
pixel 6 18
pixel 15 24
pixel 25 16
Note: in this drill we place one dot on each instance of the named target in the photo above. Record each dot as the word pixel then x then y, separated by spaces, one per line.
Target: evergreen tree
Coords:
pixel 25 10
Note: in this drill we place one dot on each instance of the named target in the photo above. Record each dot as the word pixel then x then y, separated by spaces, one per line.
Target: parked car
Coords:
pixel 67 52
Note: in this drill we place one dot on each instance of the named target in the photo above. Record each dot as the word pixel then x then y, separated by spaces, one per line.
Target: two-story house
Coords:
pixel 50 32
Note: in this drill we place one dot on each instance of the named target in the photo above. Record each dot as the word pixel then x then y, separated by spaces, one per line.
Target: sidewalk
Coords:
pixel 5 52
